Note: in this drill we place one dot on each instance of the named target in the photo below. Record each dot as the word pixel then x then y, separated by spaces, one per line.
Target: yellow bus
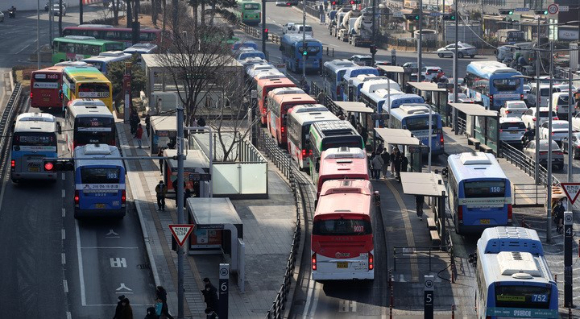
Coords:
pixel 86 82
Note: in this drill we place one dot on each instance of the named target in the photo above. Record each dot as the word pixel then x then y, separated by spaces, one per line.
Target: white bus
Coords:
pixel 89 121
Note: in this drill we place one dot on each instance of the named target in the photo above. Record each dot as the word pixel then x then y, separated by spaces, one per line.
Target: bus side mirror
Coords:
pixel 58 128
pixel 281 48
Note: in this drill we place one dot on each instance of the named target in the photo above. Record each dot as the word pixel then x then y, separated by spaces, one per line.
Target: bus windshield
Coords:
pixel 342 227
pixel 34 139
pixel 93 90
pixel 339 141
pixel 479 189
pixel 418 123
pixel 114 47
pixel 100 175
pixel 506 84
pixel 512 296
pixel 251 6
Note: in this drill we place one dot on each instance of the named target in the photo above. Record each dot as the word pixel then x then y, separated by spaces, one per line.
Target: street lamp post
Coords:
pixel 304 40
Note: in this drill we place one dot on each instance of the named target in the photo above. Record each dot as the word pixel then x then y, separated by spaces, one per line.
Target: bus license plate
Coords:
pixel 101 206
pixel 342 264
pixel 34 169
pixel 484 221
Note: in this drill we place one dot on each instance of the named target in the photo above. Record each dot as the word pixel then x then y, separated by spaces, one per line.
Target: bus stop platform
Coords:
pixel 269 226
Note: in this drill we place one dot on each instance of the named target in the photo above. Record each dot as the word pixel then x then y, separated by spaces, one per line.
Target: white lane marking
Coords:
pixel 68 315
pixel 81 271
pixel 316 297
pixel 63 258
pixel 308 297
pixel 63 176
pixel 96 247
pixel 63 234
pixel 63 193
pixel 65 285
pixel 63 212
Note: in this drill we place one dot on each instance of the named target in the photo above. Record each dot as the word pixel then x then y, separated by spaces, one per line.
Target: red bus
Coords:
pixel 278 107
pixel 264 86
pixel 298 123
pixel 108 32
pixel 342 243
pixel 339 163
pixel 45 88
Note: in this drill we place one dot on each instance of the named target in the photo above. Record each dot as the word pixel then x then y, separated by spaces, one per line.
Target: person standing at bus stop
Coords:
pixel 386 161
pixel 419 200
pixel 139 135
pixel 161 191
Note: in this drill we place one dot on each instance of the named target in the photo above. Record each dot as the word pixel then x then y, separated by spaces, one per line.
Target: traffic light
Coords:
pixel 266 33
pixel 354 1
pixel 541 12
pixel 304 51
pixel 373 49
pixel 333 3
pixel 449 16
pixel 412 17
pixel 59 165
pixel 506 12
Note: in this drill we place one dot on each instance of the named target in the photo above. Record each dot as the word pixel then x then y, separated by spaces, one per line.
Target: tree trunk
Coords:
pixel 164 20
pixel 175 21
pixel 116 11
pixel 60 17
pixel 154 12
pixel 137 7
pixel 203 13
pixel 129 13
pixel 195 16
pixel 213 5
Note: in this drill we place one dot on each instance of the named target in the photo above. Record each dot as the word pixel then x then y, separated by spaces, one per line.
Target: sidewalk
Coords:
pixel 268 228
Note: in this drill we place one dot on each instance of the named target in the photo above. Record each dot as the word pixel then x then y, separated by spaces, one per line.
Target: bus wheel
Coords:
pixel 15 181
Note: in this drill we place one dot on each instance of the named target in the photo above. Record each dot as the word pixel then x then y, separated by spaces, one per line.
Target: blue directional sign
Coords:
pixel 435 14
pixel 522 9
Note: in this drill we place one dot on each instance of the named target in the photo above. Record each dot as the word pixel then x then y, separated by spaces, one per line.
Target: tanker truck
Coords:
pixel 336 23
pixel 361 31
pixel 347 21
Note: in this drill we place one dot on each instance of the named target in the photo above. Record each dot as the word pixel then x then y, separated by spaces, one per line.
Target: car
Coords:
pixel 513 109
pixel 1 16
pixel 412 65
pixel 530 117
pixel 463 49
pixel 287 27
pixel 244 44
pixel 461 98
pixel 429 72
pixel 56 9
pixel 362 60
pixel 299 28
pixel 544 91
pixel 244 54
pixel 527 89
pixel 557 154
pixel 511 130
pixel 559 130
pixel 560 104
pixel 564 87
pixel 575 144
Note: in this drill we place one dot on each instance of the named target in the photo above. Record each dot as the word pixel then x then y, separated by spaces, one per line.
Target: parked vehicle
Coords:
pixel 575 144
pixel 559 130
pixel 557 154
pixel 56 9
pixel 513 109
pixel 430 72
pixel 463 49
pixel 530 117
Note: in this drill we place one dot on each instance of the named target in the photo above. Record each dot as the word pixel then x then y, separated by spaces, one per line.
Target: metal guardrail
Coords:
pixel 424 255
pixel 527 164
pixel 8 115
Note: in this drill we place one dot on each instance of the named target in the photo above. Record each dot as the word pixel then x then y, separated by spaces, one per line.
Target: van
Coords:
pixel 301 28
pixel 560 104
pixel 544 91
pixel 511 130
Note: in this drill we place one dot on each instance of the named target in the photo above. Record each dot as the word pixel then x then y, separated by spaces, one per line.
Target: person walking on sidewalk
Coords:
pixel 377 166
pixel 386 161
pixel 210 313
pixel 393 157
pixel 139 135
pixel 210 295
pixel 419 200
pixel 160 154
pixel 134 120
pixel 397 164
pixel 161 191
pixel 559 216
pixel 161 294
pixel 151 314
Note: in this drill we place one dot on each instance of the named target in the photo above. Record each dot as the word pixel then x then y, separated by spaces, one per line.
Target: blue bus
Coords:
pixel 34 138
pixel 333 71
pixel 99 182
pixel 415 118
pixel 491 83
pixel 292 49
pixel 104 60
pixel 513 277
pixel 350 74
pixel 480 195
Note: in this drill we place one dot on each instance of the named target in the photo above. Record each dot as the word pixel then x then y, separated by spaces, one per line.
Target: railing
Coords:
pixel 418 256
pixel 526 164
pixel 8 115
pixel 529 195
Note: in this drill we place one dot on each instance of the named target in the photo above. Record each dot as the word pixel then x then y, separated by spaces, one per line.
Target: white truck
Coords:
pixel 347 21
pixel 361 32
pixel 336 23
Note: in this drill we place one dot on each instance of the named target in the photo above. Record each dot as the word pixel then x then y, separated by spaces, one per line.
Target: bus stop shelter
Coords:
pixel 428 184
pixel 435 96
pixel 481 125
pixel 400 137
pixel 396 73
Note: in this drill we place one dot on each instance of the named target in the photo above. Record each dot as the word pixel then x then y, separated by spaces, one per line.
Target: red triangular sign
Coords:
pixel 181 232
pixel 572 190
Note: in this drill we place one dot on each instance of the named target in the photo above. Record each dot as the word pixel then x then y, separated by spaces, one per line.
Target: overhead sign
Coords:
pixel 564 8
pixel 398 14
pixel 522 9
pixel 553 8
pixel 571 190
pixel 435 14
pixel 181 232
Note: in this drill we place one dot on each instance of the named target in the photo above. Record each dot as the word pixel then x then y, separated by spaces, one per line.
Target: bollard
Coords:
pixel 570 312
pixel 452 311
pixel 453 272
pixel 327 50
pixel 556 278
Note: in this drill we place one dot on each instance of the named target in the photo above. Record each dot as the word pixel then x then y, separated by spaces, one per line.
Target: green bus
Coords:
pixel 249 12
pixel 76 48
pixel 330 134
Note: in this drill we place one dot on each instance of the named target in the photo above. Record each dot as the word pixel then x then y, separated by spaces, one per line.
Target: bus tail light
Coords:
pixel 543 153
pixel 303 153
pixel 490 100
pixel 533 119
pixel 12 164
pixel 555 118
pixel 371 262
pixel 77 198
pixel 521 97
pixel 314 261
pixel 510 213
pixel 441 139
pixel 282 129
pixel 460 214
pixel 123 197
pixel 31 95
pixel 310 152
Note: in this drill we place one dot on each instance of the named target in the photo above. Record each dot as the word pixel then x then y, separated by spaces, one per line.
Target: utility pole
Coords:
pixel 180 215
pixel 264 34
pixel 304 54
pixel 419 44
pixel 538 100
pixel 570 144
pixel 374 34
pixel 80 11
pixel 550 110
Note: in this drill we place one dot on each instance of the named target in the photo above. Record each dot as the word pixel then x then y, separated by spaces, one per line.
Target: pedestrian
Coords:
pixel 210 313
pixel 201 122
pixel 419 200
pixel 353 120
pixel 124 309
pixel 158 106
pixel 380 148
pixel 160 154
pixel 139 135
pixel 397 164
pixel 134 120
pixel 148 124
pixel 119 307
pixel 386 161
pixel 393 158
pixel 377 165
pixel 151 314
pixel 364 133
pixel 321 13
pixel 161 191
pixel 404 163
pixel 186 195
pixel 320 97
pixel 161 295
pixel 558 213
pixel 210 295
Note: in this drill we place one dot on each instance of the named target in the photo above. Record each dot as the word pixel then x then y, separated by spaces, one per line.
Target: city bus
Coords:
pixel 34 138
pixel 108 32
pixel 278 107
pixel 415 118
pixel 103 61
pixel 87 82
pixel 349 75
pixel 510 36
pixel 491 83
pixel 480 194
pixel 342 243
pixel 299 120
pixel 88 122
pixel 513 277
pixel 340 163
pixel 292 48
pixel 328 134
pixel 355 85
pixel 76 48
pixel 332 72
pixel 264 86
pixel 249 12
pixel 45 88
pixel 99 182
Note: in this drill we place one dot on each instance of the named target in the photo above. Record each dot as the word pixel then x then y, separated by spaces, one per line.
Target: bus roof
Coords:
pixel 276 82
pixel 505 238
pixel 101 58
pixel 305 108
pixel 304 118
pixel 297 38
pixel 371 86
pixel 338 64
pixel 85 74
pixel 333 128
pixel 35 122
pixel 343 163
pixel 107 28
pixel 514 267
pixel 412 109
pixel 84 110
pixel 50 69
pixel 285 90
pixel 92 154
pixel 357 70
pixel 486 69
pixel 83 39
pixel 344 197
pixel 293 98
pixel 474 165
